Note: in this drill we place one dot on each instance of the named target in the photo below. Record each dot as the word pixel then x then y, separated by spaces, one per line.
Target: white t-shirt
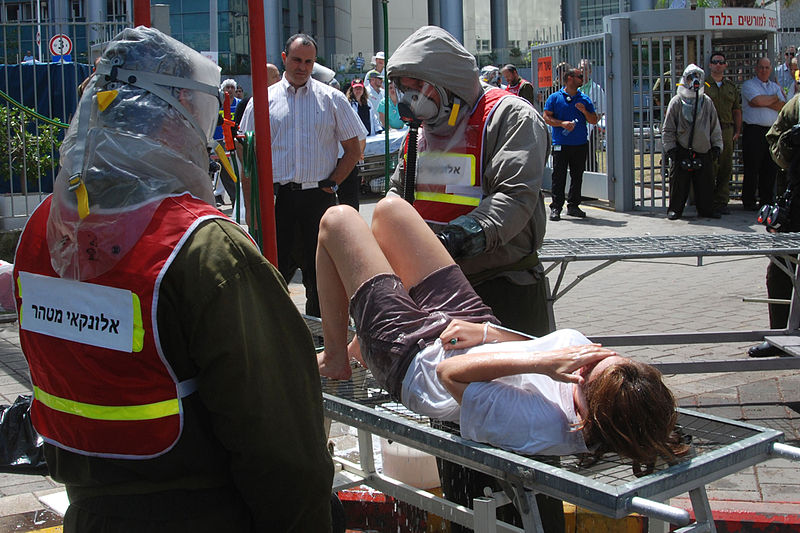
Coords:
pixel 526 413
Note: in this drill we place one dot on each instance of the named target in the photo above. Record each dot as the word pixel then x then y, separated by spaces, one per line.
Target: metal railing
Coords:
pixel 39 97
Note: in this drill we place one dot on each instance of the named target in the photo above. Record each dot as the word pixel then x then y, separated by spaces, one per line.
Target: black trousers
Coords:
pixel 759 168
pixel 573 157
pixel 779 286
pixel 297 216
pixel 702 179
pixel 350 190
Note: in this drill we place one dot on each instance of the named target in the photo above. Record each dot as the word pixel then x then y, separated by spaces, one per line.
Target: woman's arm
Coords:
pixel 456 372
pixel 469 334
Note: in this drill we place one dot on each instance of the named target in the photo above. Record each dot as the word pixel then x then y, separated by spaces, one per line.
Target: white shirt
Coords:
pixel 306 126
pixel 598 97
pixel 784 77
pixel 762 116
pixel 375 98
pixel 526 413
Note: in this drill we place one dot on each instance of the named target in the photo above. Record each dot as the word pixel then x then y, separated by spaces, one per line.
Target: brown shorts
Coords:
pixel 393 324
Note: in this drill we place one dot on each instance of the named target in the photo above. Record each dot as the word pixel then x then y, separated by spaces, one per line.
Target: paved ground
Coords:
pixel 633 297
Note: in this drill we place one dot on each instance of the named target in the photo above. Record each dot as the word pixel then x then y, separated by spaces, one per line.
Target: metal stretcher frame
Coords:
pixel 781 248
pixel 719 447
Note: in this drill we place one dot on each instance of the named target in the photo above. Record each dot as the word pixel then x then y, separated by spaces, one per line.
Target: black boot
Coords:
pixel 764 349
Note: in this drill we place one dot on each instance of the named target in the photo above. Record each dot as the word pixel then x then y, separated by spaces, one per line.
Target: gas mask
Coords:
pixel 438 118
pixel 691 90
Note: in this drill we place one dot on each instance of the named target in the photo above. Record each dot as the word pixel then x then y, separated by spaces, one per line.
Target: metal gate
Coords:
pixel 38 96
pixel 588 53
pixel 638 72
pixel 658 62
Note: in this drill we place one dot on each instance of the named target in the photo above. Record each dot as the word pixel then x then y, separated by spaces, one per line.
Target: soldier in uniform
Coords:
pixel 728 102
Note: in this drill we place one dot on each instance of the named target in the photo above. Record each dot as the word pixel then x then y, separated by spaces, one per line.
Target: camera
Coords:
pixel 775 217
pixel 690 164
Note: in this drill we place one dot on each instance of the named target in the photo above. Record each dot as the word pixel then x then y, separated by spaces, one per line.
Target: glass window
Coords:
pixel 195 23
pixel 12 12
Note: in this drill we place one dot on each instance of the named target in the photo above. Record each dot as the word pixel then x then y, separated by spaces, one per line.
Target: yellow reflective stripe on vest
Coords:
pixel 138 326
pixel 446 198
pixel 108 412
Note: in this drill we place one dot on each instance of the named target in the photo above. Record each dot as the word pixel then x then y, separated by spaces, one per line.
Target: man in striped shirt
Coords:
pixel 308 120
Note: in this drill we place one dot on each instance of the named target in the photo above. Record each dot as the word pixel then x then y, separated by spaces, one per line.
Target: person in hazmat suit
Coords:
pixel 480 156
pixel 126 274
pixel 692 140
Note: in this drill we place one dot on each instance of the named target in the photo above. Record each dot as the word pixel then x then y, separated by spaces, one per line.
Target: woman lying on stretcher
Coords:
pixel 435 346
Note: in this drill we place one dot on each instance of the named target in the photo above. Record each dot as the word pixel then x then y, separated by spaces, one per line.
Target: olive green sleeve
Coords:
pixel 257 378
pixel 783 152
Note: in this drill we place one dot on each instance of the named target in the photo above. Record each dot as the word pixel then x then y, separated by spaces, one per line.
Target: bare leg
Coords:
pixel 412 249
pixel 347 256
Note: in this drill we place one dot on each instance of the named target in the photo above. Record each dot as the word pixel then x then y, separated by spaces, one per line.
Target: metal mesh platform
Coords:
pixel 669 246
pixel 717 447
pixel 782 249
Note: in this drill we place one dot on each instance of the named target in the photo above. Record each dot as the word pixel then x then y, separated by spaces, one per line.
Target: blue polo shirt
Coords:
pixel 562 106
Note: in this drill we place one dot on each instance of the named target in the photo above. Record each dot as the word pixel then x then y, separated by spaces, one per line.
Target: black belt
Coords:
pixel 308 185
pixel 756 126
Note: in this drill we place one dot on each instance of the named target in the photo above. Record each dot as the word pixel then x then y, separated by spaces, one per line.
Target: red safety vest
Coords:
pixel 451 186
pixel 515 89
pixel 102 386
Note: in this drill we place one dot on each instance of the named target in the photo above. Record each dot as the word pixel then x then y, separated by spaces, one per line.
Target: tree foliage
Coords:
pixel 30 147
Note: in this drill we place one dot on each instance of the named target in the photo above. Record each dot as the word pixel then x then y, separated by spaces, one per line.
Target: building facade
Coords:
pixel 344 29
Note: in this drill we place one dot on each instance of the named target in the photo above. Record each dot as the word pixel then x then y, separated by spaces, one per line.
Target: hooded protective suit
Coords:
pixel 692 137
pixel 510 216
pixel 130 145
pixel 691 89
pixel 681 114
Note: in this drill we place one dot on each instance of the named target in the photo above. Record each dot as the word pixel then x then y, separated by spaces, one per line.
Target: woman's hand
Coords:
pixel 564 364
pixel 459 335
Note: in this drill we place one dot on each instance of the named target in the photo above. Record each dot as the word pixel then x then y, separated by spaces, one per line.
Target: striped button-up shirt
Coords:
pixel 306 126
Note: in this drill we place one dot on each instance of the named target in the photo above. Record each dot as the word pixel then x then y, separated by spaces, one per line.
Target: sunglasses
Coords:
pixel 718 62
pixel 790 54
pixel 579 76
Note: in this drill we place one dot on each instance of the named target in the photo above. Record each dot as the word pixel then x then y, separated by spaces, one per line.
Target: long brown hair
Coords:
pixel 351 94
pixel 631 412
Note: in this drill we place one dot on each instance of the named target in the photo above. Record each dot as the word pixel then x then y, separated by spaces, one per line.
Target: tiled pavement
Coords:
pixel 630 297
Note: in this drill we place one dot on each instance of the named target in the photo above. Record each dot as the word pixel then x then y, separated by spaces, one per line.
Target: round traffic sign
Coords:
pixel 60 45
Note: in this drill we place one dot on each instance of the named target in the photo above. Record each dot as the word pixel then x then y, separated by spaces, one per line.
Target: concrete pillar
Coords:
pixel 159 18
pixel 273 28
pixel 293 14
pixel 570 17
pixel 95 12
pixel 213 26
pixel 499 23
pixel 451 13
pixel 434 13
pixel 338 33
pixel 619 116
pixel 377 26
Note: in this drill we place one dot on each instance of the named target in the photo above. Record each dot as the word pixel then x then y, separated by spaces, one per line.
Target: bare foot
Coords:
pixel 354 352
pixel 333 367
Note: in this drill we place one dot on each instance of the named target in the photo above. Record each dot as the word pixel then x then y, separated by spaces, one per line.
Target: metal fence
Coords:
pixel 38 96
pixel 587 53
pixel 654 62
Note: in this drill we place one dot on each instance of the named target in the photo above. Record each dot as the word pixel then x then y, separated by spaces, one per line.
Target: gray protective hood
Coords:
pixel 433 55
